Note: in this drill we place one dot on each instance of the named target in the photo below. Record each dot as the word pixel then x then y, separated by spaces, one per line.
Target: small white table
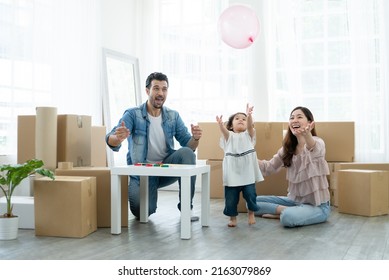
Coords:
pixel 172 170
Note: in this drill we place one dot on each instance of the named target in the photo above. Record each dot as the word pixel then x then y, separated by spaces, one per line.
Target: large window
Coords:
pixel 24 71
pixel 49 56
pixel 331 56
pixel 328 55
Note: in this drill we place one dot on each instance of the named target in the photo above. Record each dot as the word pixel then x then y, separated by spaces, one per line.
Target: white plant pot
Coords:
pixel 9 228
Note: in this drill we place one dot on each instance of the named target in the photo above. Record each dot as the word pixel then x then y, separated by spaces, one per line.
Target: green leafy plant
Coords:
pixel 11 176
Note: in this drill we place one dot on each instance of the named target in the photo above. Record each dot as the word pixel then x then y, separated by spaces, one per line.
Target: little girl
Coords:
pixel 240 164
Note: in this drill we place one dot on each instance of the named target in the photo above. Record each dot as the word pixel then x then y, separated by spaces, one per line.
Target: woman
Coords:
pixel 303 154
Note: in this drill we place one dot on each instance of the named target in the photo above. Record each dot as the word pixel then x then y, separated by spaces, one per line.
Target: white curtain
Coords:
pixel 50 54
pixel 207 77
pixel 76 57
pixel 284 48
pixel 332 56
pixel 368 24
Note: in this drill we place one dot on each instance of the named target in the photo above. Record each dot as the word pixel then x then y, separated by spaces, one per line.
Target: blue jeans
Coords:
pixel 184 155
pixel 296 214
pixel 231 195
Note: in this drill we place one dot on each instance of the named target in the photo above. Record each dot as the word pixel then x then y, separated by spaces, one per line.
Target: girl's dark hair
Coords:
pixel 290 141
pixel 231 118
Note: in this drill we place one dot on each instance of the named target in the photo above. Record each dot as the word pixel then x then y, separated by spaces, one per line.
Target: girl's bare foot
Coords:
pixel 232 222
pixel 251 217
pixel 271 216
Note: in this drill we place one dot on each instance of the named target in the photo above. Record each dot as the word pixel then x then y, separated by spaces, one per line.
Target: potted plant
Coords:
pixel 11 175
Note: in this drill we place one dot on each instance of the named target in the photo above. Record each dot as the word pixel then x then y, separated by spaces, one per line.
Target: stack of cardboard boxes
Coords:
pixel 340 146
pixel 79 200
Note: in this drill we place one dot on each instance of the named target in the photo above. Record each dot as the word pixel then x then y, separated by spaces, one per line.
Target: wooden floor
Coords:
pixel 343 237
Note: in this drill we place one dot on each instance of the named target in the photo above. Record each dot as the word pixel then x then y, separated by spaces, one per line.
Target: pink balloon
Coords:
pixel 238 26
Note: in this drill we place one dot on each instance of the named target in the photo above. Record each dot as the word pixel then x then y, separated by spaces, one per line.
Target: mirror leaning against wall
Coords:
pixel 121 91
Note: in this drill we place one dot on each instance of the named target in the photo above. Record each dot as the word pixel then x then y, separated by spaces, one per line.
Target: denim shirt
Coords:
pixel 137 121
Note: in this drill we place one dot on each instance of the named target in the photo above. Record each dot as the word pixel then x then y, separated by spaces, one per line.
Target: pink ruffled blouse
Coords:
pixel 307 175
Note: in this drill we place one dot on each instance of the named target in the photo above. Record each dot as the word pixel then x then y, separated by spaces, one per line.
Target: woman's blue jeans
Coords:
pixel 232 194
pixel 184 155
pixel 296 214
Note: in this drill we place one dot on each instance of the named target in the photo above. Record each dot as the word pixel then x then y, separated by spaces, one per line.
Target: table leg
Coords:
pixel 205 199
pixel 116 205
pixel 144 199
pixel 185 208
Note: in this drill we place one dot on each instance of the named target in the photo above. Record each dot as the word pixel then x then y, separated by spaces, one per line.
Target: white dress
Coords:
pixel 240 165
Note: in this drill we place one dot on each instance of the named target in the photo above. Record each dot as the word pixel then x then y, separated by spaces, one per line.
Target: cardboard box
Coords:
pixel 336 166
pixel 98 147
pixel 363 192
pixel 338 137
pixel 74 139
pixel 103 192
pixel 269 139
pixel 23 207
pixel 216 180
pixel 66 206
pixel 209 144
pixel 26 138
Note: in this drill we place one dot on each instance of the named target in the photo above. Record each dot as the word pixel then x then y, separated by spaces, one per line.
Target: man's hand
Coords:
pixel 196 132
pixel 121 133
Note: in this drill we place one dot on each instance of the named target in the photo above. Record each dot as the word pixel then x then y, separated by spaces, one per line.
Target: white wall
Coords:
pixel 119 26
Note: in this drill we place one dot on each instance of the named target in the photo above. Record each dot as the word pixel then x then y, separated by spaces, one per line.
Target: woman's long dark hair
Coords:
pixel 290 141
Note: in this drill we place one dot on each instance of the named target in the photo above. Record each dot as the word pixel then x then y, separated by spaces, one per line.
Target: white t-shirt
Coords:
pixel 156 144
pixel 240 164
